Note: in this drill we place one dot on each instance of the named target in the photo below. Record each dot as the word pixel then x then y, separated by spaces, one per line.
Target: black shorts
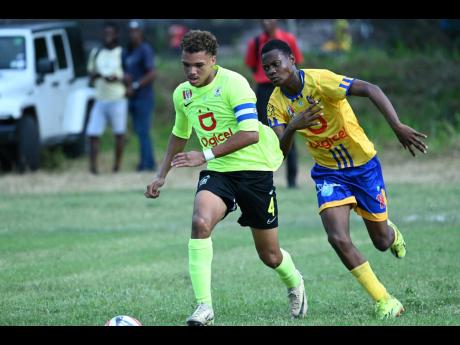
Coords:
pixel 252 191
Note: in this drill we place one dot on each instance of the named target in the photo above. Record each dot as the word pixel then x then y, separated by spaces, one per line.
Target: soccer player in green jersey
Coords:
pixel 241 154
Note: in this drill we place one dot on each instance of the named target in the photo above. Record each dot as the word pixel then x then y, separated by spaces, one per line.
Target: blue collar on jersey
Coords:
pixel 299 95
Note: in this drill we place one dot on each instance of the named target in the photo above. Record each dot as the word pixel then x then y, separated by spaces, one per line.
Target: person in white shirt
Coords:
pixel 106 75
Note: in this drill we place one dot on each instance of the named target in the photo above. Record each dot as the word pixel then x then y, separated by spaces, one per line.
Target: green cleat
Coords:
pixel 398 248
pixel 388 308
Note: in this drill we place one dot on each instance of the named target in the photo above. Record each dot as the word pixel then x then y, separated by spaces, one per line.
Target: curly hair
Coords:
pixel 196 41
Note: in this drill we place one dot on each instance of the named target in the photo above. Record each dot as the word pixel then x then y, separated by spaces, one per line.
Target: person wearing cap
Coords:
pixel 139 66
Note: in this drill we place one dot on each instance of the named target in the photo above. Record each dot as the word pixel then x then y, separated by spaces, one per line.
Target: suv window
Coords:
pixel 41 50
pixel 60 52
pixel 78 54
pixel 13 52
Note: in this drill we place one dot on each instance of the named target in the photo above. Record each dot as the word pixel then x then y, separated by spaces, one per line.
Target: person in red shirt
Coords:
pixel 264 86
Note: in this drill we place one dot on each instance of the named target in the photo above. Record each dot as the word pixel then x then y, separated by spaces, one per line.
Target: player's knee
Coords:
pixel 201 227
pixel 340 242
pixel 271 258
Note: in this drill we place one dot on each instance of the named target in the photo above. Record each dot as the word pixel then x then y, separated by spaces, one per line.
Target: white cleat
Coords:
pixel 298 300
pixel 202 316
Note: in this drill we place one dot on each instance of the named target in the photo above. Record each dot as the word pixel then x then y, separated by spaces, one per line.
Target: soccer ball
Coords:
pixel 123 320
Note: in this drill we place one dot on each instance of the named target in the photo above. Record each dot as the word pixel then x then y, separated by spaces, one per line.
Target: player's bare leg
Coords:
pixel 267 246
pixel 386 235
pixel 208 210
pixel 381 234
pixel 336 223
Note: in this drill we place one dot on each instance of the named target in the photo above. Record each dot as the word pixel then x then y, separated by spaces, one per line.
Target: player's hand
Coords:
pixel 153 189
pixel 188 159
pixel 129 92
pixel 127 79
pixel 307 118
pixel 410 137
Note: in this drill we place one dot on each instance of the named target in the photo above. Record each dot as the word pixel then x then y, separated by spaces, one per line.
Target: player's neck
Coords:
pixel 210 79
pixel 293 85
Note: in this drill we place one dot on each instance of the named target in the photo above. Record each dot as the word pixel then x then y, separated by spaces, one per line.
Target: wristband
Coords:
pixel 135 85
pixel 208 155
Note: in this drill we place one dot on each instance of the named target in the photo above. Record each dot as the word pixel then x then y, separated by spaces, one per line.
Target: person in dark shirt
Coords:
pixel 139 66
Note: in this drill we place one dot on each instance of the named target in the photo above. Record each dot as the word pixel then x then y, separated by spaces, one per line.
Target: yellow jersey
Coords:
pixel 338 142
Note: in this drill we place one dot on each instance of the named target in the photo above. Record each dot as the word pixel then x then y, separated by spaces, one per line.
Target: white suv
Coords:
pixel 44 95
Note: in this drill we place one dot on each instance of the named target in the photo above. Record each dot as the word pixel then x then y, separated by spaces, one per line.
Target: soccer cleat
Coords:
pixel 298 300
pixel 388 308
pixel 398 248
pixel 202 316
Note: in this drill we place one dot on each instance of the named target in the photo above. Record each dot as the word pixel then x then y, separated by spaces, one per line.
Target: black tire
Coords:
pixel 7 159
pixel 28 144
pixel 79 147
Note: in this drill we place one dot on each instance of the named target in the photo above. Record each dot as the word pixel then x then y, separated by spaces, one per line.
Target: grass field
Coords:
pixel 77 249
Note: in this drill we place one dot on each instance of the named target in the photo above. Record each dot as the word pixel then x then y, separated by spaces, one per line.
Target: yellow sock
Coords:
pixel 369 281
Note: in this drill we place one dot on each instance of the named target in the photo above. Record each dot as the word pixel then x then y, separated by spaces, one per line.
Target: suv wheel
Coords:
pixel 28 144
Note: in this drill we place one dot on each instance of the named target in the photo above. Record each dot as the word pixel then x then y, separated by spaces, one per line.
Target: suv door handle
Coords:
pixel 55 84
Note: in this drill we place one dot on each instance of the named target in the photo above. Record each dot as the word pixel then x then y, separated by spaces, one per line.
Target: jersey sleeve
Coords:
pixel 242 99
pixel 334 86
pixel 275 115
pixel 182 127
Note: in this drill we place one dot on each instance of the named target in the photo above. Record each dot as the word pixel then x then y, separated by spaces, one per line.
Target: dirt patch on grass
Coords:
pixel 398 167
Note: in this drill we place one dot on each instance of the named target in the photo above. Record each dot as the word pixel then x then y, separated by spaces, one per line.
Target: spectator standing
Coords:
pixel 264 86
pixel 106 75
pixel 139 65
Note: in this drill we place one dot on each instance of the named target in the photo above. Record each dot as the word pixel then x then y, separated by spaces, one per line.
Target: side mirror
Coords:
pixel 45 66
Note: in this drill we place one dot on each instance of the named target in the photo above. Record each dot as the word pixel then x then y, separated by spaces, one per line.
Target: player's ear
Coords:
pixel 292 59
pixel 213 59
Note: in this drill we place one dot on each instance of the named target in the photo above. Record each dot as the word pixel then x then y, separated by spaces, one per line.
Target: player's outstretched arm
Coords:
pixel 302 120
pixel 236 142
pixel 175 145
pixel 407 136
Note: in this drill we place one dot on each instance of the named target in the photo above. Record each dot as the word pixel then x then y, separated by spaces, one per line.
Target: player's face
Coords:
pixel 198 67
pixel 277 66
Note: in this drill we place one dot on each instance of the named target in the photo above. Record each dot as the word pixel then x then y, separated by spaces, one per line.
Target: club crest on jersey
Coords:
pixel 310 99
pixel 187 95
pixel 217 92
pixel 290 111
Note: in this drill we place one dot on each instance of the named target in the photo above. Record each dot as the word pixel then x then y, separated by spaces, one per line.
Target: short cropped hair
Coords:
pixel 276 44
pixel 196 41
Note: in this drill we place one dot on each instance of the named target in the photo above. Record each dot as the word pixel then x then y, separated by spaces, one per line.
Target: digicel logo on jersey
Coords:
pixel 327 143
pixel 207 127
pixel 216 138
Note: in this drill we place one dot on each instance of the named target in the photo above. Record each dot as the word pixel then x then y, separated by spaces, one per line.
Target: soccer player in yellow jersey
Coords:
pixel 347 172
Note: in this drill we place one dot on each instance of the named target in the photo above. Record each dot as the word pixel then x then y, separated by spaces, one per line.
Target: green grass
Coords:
pixel 82 258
